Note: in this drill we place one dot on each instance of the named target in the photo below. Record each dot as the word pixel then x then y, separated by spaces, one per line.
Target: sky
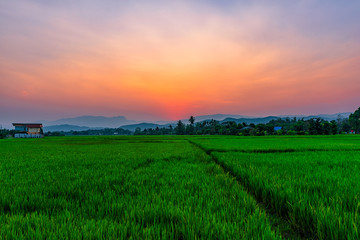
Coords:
pixel 167 60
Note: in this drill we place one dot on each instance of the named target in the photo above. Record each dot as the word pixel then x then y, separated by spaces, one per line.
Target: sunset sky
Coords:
pixel 167 60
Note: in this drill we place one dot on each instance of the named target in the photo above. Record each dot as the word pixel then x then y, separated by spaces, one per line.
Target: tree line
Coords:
pixel 91 132
pixel 281 126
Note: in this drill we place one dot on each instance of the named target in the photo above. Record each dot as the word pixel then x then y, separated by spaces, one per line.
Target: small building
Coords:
pixel 277 129
pixel 28 130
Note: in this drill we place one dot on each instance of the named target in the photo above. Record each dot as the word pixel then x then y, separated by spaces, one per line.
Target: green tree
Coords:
pixel 180 128
pixel 137 131
pixel 191 120
pixel 299 127
pixel 190 128
pixel 345 126
pixel 334 127
pixel 312 127
pixel 354 120
pixel 171 130
pixel 326 128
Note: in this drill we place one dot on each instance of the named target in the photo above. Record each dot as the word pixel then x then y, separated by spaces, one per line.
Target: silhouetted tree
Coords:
pixel 334 127
pixel 354 120
pixel 137 131
pixel 191 120
pixel 190 128
pixel 326 128
pixel 180 128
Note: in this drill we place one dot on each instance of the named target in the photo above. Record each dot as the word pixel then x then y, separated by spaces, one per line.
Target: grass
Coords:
pixel 279 143
pixel 318 192
pixel 315 187
pixel 180 187
pixel 121 187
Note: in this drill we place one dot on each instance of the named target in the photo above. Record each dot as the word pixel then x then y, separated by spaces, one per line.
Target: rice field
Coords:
pixel 180 187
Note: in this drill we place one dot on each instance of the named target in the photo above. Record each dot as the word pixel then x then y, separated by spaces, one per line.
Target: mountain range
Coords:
pixel 92 121
pixel 82 123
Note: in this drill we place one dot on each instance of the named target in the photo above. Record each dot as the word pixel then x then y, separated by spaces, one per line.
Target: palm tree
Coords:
pixel 191 120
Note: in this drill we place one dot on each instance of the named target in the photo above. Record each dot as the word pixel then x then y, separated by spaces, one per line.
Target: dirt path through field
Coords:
pixel 277 221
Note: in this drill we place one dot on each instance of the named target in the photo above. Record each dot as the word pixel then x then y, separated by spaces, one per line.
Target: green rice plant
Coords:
pixel 121 188
pixel 318 192
pixel 268 144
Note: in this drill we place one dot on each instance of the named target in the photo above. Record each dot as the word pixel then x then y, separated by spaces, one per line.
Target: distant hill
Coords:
pixel 218 117
pixel 327 117
pixel 84 123
pixel 250 120
pixel 64 128
pixel 142 126
pixel 93 121
pixel 330 117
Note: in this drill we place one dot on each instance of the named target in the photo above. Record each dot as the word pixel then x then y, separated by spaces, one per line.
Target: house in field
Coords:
pixel 28 130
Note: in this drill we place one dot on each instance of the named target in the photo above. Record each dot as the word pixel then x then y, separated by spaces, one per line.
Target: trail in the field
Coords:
pixel 277 221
